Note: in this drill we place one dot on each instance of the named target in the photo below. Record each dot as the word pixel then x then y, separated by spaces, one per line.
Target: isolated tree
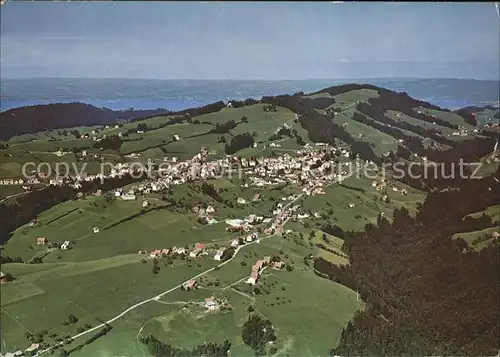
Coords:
pixel 244 119
pixel 28 335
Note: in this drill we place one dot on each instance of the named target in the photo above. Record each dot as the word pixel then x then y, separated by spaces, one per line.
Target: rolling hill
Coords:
pixel 404 269
pixel 36 118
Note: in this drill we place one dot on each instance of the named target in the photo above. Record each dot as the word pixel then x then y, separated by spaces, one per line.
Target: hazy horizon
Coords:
pixel 249 41
pixel 257 79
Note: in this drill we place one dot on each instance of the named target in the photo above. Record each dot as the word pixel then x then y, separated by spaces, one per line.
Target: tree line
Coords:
pixel 158 348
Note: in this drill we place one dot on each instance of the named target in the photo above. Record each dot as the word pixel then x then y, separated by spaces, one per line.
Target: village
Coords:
pixel 308 170
pixel 311 169
pixel 261 171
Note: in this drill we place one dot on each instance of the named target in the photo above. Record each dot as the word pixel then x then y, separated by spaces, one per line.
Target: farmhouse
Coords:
pixel 178 250
pixel 66 245
pixel 277 265
pixel 252 280
pixel 318 191
pixel 129 196
pixel 41 241
pixel 302 215
pixel 251 237
pixel 190 285
pixel 254 219
pixel 210 209
pixel 218 254
pixel 198 248
pixel 95 229
pixel 236 225
pixel 210 220
pixel 3 278
pixel 211 303
pixel 32 348
pixel 257 269
pixel 155 253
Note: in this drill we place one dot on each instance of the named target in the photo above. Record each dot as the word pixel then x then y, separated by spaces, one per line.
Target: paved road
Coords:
pixel 14 195
pixel 20 193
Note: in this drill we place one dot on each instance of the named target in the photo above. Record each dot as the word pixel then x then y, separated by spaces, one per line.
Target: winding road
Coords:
pixel 159 296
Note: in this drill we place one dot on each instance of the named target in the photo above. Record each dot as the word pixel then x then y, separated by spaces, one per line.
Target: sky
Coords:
pixel 244 40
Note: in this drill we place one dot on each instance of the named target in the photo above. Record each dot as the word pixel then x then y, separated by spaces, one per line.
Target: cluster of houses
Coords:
pixel 237 242
pixel 157 253
pixel 257 269
pixel 303 168
pixel 20 181
pixel 205 214
pixel 462 131
pixel 260 265
pixel 27 352
pixel 379 185
pixel 403 191
pixel 64 246
pixel 30 351
pixel 199 250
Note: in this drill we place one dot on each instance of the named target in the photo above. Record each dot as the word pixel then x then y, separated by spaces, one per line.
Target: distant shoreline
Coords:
pixel 122 94
pixel 177 105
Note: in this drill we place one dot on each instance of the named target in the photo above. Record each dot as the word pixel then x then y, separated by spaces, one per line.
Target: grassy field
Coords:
pixel 450 117
pixel 367 204
pixel 262 123
pixel 417 122
pixel 103 274
pixel 318 95
pixel 162 228
pixel 478 240
pixel 156 143
pixel 85 291
pixel 487 116
pixel 307 321
pixel 105 267
pixel 55 290
pixel 354 96
pixel 380 142
pixel 492 211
